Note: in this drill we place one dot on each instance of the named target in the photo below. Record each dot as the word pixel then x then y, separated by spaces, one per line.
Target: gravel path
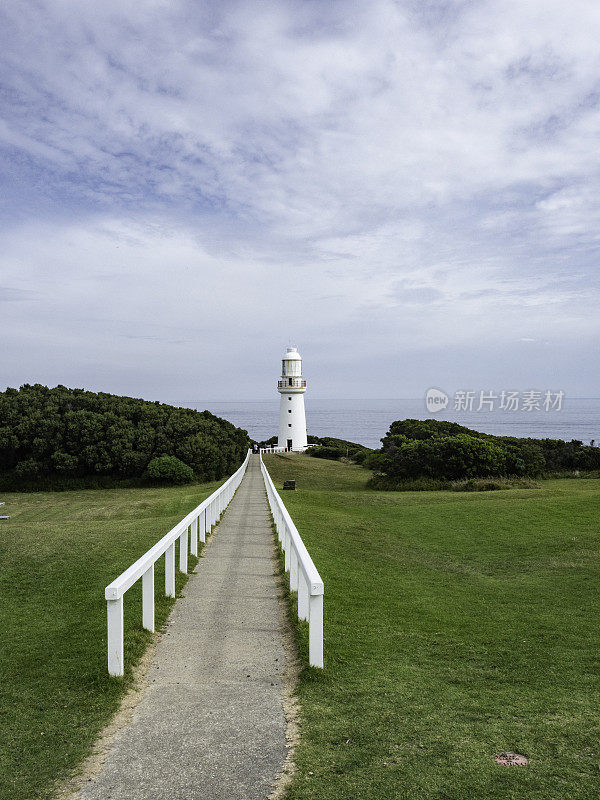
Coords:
pixel 211 724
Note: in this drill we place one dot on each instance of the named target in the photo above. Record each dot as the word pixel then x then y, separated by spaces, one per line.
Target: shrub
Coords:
pixel 492 484
pixel 272 442
pixel 447 451
pixel 359 456
pixel 71 433
pixel 168 470
pixel 587 458
pixel 341 444
pixel 523 456
pixel 29 468
pixel 445 458
pixel 378 461
pixel 385 483
pixel 321 451
pixel 64 463
pixel 428 429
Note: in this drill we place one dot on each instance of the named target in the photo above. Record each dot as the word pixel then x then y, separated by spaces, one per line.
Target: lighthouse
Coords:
pixel 291 386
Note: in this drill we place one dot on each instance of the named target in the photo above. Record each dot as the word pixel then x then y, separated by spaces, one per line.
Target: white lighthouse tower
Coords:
pixel 291 387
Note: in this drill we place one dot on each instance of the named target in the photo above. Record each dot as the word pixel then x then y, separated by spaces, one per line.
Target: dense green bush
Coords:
pixel 492 484
pixel 428 429
pixel 443 458
pixel 272 442
pixel 321 451
pixel 168 470
pixel 522 456
pixel 330 447
pixel 71 434
pixel 573 455
pixel 385 483
pixel 360 455
pixel 445 451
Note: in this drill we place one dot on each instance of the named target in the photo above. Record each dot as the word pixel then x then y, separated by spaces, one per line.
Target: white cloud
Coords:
pixel 373 173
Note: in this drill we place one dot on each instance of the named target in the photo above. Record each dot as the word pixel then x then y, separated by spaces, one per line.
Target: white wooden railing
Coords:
pixel 304 577
pixel 273 449
pixel 195 525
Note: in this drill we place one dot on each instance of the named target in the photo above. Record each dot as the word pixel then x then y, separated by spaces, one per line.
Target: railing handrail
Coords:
pixel 126 579
pixel 304 576
pixel 311 573
pixel 274 448
pixel 192 527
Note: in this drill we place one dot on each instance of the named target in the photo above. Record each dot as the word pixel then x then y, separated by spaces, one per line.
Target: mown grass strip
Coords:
pixel 457 626
pixel 57 553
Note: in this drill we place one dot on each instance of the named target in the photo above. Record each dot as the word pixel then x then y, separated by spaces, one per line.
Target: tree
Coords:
pixel 71 432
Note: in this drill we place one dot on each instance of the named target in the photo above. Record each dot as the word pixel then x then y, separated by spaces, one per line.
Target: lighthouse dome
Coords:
pixel 292 354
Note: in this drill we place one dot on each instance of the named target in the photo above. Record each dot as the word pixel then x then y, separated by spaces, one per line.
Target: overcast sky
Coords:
pixel 408 191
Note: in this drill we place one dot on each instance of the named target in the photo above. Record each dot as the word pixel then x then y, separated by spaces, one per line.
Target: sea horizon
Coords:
pixel 367 420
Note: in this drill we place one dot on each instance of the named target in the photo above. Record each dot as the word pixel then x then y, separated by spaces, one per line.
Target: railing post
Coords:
pixel 315 631
pixel 203 526
pixel 170 570
pixel 286 548
pixel 148 598
pixel 183 550
pixel 294 570
pixel 194 533
pixel 302 597
pixel 114 618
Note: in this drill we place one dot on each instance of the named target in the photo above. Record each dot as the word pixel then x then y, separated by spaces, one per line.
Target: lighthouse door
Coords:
pixel 289 444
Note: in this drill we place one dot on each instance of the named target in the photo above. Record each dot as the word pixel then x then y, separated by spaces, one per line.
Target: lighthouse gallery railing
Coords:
pixel 195 525
pixel 304 577
pixel 291 383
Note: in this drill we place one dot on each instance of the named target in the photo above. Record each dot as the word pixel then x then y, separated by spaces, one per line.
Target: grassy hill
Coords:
pixel 457 626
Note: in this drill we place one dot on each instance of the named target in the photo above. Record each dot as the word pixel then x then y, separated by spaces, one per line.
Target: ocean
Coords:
pixel 366 421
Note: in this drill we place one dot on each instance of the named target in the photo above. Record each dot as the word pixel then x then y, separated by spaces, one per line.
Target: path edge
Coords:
pixel 291 705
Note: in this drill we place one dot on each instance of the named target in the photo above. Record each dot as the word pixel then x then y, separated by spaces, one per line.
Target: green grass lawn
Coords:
pixel 457 626
pixel 57 553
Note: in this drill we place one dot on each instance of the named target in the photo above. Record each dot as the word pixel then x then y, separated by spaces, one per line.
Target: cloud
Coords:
pixel 8 294
pixel 178 174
